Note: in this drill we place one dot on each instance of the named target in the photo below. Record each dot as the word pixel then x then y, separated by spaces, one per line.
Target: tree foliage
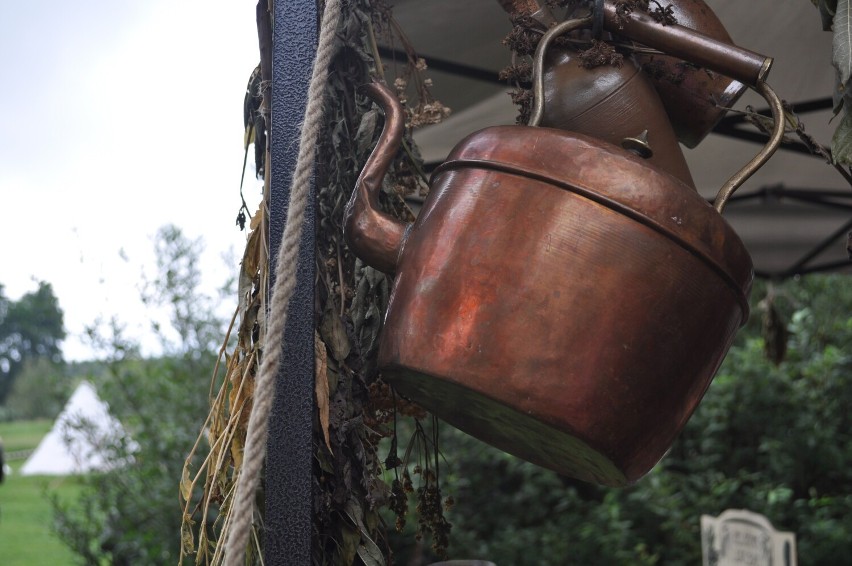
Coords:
pixel 774 439
pixel 30 328
pixel 836 17
pixel 40 390
pixel 132 515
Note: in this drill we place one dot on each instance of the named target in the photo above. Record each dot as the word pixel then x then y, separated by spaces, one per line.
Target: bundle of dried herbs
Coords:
pixel 355 409
pixel 349 484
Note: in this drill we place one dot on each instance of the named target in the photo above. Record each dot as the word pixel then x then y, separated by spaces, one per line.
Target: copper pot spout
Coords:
pixel 372 235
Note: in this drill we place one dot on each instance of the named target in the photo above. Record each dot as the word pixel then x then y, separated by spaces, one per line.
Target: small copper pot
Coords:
pixel 615 104
pixel 694 97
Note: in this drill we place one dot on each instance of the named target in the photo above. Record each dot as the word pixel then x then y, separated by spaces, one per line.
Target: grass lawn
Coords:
pixel 26 538
pixel 23 435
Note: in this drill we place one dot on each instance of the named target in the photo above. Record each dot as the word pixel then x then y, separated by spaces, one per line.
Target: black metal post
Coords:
pixel 288 467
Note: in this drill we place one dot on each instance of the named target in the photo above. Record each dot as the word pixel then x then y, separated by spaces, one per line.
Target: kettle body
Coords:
pixel 558 297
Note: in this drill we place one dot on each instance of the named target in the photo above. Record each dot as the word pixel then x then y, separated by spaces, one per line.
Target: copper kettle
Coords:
pixel 557 297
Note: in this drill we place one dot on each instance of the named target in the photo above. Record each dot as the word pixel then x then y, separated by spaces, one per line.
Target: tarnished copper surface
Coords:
pixel 609 103
pixel 698 48
pixel 372 235
pixel 561 299
pixel 699 72
pixel 694 98
pixel 612 103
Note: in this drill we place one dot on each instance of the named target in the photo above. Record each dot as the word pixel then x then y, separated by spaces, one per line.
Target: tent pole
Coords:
pixel 287 487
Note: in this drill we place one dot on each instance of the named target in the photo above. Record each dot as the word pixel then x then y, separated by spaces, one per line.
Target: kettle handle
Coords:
pixel 749 67
pixel 740 177
pixel 374 236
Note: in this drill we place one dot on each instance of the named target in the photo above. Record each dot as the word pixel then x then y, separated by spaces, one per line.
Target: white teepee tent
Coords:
pixel 80 439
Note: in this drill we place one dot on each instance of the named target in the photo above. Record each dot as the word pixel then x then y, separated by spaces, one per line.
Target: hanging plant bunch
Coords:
pixel 208 488
pixel 356 409
pixel 207 515
pixel 837 18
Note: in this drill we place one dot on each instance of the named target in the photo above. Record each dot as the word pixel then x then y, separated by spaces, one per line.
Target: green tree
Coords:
pixel 40 391
pixel 30 328
pixel 131 515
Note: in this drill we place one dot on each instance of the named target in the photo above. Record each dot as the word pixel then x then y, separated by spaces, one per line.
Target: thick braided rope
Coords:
pixel 285 282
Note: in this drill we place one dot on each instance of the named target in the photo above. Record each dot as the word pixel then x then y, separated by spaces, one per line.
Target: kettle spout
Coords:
pixel 373 235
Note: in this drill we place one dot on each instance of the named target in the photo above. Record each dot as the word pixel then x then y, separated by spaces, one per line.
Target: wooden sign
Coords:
pixel 741 538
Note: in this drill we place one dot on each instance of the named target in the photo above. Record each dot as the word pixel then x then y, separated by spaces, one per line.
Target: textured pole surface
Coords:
pixel 287 485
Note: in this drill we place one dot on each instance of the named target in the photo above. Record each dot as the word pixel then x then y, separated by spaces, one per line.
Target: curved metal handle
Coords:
pixel 538 62
pixel 757 162
pixel 761 87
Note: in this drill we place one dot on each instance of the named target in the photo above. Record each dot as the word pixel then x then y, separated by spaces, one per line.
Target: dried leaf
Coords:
pixel 355 512
pixel 325 462
pixel 349 545
pixel 842 41
pixel 185 484
pixel 370 554
pixel 366 130
pixel 321 386
pixel 187 540
pixel 827 9
pixel 252 256
pixel 370 330
pixel 775 333
pixel 334 334
pixel 237 451
pixel 841 142
pixel 368 550
pixel 255 218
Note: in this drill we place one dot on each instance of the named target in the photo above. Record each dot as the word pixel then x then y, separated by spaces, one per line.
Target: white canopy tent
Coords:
pixel 80 440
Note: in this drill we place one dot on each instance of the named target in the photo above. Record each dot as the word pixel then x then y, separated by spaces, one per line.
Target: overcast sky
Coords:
pixel 117 118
